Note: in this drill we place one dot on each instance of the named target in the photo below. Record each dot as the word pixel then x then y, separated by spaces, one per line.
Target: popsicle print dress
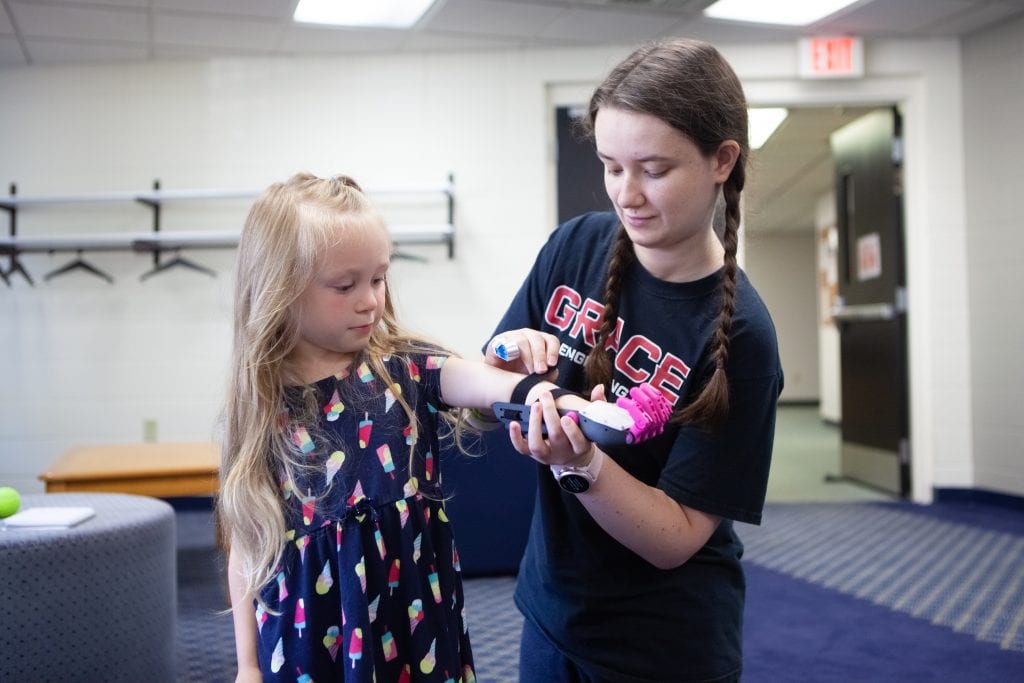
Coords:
pixel 369 588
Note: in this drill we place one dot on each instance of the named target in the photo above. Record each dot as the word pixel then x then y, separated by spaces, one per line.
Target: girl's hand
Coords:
pixel 538 351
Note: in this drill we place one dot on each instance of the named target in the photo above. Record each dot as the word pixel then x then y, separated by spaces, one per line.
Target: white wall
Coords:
pixel 829 377
pixel 783 269
pixel 993 110
pixel 88 362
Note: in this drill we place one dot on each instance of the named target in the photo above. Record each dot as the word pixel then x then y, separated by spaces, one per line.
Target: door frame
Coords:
pixel 910 95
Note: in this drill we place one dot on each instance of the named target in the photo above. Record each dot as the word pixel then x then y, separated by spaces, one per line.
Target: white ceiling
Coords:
pixel 42 32
pixel 54 31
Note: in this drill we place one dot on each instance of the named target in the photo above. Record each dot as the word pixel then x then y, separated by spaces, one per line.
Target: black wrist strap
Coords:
pixel 529 382
pixel 524 386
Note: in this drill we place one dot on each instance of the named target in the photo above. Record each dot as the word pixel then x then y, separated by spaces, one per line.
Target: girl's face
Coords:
pixel 664 191
pixel 343 303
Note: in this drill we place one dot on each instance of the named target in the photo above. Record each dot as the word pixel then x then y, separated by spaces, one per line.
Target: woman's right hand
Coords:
pixel 538 351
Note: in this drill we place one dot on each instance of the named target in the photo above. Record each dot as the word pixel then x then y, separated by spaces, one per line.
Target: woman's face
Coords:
pixel 663 189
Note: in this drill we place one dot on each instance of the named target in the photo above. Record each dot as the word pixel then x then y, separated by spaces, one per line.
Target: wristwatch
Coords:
pixel 576 478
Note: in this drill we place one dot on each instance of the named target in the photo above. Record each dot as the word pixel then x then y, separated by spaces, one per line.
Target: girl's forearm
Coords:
pixel 473 384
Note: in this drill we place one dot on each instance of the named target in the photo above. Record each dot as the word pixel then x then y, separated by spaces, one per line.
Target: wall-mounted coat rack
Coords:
pixel 157 242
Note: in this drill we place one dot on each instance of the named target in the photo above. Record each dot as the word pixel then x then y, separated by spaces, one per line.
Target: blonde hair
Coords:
pixel 288 226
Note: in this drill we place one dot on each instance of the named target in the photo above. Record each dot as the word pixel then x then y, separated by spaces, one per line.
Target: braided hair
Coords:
pixel 690 86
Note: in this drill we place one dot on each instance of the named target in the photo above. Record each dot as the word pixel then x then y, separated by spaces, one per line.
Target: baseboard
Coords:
pixel 983 496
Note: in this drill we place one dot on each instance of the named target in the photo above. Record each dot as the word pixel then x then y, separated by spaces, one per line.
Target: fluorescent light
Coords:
pixel 763 121
pixel 365 13
pixel 789 12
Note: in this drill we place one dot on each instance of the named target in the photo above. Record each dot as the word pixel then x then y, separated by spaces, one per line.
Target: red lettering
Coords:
pixel 624 361
pixel 588 320
pixel 562 307
pixel 670 375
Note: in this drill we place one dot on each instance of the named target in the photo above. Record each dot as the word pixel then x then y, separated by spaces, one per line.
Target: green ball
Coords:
pixel 10 501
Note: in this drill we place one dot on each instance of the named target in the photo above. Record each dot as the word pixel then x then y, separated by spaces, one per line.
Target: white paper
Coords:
pixel 50 517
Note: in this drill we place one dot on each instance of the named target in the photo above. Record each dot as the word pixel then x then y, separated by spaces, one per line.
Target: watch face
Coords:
pixel 574 483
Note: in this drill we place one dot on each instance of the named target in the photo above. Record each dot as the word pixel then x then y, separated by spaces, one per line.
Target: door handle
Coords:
pixel 863 312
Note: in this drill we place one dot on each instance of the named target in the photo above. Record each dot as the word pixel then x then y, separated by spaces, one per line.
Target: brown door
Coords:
pixel 871 313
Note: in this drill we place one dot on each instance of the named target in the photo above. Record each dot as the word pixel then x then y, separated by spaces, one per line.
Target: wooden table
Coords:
pixel 148 469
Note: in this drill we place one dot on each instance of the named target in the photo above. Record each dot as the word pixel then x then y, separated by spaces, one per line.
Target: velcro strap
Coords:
pixel 524 386
pixel 529 382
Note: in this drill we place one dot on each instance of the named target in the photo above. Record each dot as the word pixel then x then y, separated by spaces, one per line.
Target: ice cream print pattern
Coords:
pixel 369 588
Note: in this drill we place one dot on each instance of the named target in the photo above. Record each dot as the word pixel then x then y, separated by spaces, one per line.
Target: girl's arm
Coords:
pixel 245 625
pixel 473 384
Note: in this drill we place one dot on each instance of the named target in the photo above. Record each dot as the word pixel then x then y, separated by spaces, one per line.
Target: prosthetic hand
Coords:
pixel 628 421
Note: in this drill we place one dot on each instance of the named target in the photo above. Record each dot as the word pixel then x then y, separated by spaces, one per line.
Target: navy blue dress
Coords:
pixel 369 588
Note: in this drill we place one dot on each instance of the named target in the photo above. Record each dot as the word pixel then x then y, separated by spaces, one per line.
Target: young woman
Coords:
pixel 638 578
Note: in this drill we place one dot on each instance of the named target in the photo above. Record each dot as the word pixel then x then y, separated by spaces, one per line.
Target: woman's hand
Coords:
pixel 538 351
pixel 564 443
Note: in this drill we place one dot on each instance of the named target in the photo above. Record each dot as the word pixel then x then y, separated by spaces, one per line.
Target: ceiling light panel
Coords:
pixel 786 12
pixel 365 13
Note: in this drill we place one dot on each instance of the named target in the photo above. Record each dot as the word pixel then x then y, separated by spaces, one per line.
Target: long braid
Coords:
pixel 712 405
pixel 598 365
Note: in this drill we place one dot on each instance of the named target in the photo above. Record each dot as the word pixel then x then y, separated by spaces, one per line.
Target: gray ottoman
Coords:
pixel 94 602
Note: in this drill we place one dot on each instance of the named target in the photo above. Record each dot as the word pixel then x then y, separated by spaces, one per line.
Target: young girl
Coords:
pixel 638 578
pixel 341 560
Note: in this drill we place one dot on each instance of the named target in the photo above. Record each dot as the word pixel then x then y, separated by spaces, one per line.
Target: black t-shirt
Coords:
pixel 600 603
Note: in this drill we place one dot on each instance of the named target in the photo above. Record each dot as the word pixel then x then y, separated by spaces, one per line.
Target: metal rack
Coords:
pixel 158 242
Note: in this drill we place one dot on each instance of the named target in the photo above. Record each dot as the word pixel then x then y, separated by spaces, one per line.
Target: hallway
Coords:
pixel 805 460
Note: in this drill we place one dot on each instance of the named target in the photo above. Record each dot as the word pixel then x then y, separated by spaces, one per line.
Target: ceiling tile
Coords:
pixel 717 31
pixel 10 52
pixel 494 18
pixel 44 51
pixel 266 9
pixel 604 26
pixel 896 18
pixel 137 4
pixel 59 21
pixel 219 33
pixel 980 16
pixel 431 40
pixel 304 39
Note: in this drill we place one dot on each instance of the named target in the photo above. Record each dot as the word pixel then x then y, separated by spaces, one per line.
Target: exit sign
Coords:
pixel 841 57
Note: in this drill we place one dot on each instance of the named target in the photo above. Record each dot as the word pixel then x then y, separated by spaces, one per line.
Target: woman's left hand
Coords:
pixel 564 443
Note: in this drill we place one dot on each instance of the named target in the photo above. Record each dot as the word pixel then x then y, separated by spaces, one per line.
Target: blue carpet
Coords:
pixel 797 632
pixel 885 592
pixel 494 628
pixel 963 576
pixel 837 593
